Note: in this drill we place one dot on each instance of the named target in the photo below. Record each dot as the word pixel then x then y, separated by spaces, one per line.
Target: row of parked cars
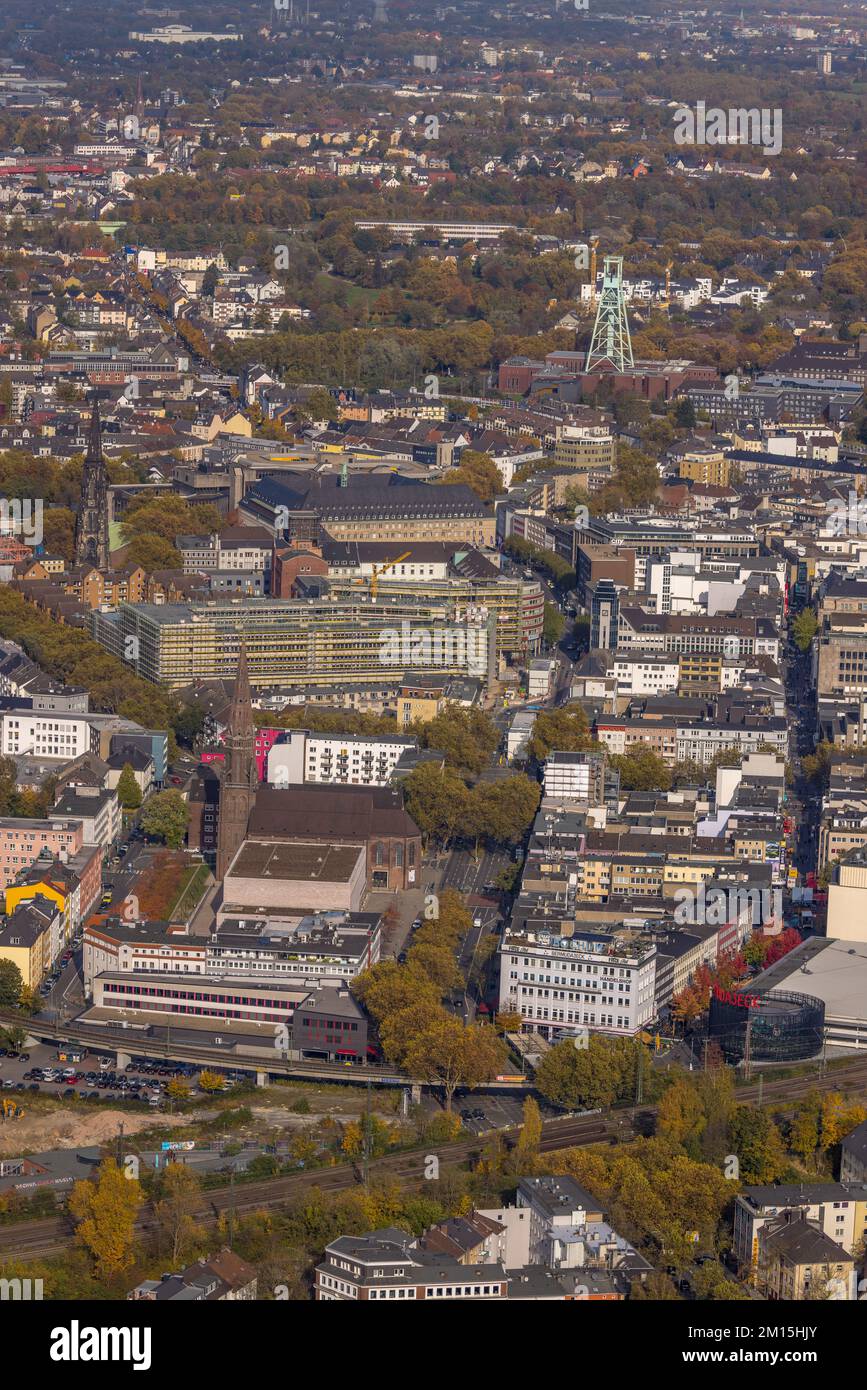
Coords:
pixel 59 966
pixel 91 1085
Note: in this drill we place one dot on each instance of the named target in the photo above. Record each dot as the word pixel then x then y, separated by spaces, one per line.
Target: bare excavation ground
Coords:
pixel 265 1115
pixel 65 1129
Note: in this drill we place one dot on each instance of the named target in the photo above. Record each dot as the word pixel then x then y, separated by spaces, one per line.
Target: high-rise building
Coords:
pixel 824 63
pixel 240 778
pixel 604 603
pixel 91 523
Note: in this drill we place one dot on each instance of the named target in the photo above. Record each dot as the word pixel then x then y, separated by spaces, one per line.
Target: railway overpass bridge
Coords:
pixel 129 1042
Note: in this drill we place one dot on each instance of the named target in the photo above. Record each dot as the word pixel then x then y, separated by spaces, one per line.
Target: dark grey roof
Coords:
pixel 800 1241
pixel 557 1194
pixel 366 495
pixel 855 1144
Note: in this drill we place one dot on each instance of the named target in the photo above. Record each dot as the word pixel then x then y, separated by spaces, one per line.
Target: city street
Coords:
pixel 467 875
pixel 803 804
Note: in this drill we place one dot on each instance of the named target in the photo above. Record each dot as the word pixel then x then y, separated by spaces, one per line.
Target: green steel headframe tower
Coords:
pixel 611 343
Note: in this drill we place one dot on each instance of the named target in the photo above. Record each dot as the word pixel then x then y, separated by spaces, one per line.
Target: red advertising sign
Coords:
pixel 741 1001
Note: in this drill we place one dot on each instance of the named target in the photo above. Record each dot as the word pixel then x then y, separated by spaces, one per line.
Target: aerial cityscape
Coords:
pixel 433 663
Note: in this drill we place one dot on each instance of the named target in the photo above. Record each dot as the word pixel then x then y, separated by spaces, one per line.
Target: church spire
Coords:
pixel 241 714
pixel 240 778
pixel 91 523
pixel 94 434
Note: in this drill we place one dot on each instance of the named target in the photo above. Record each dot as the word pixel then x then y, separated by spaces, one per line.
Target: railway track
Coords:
pixel 851 1077
pixel 32 1240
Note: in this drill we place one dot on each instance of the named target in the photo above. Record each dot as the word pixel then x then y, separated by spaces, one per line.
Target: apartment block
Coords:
pixel 838 1210
pixel 23 840
pixel 349 759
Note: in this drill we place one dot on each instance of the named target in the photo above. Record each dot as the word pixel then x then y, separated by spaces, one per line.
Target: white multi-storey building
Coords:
pixel 604 983
pixel 246 548
pixel 575 777
pixel 330 946
pixel 47 734
pixel 645 673
pixel 348 759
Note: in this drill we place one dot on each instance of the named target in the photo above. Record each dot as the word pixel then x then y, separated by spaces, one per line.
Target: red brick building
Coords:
pixel 287 564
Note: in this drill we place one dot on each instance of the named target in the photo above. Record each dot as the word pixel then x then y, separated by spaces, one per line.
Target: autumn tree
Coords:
pixel 437 799
pixel 804 629
pixel 369 1137
pixel 387 988
pixel 11 983
pixel 508 1022
pixel 437 964
pixel 450 1053
pixel 105 1210
pixel 321 405
pixel 453 916
pixel 565 729
pixel 657 1288
pixel 465 737
pixel 756 1141
pixel 530 1137
pixel 398 1031
pixel 680 1114
pixel 655 1193
pixel 641 769
pixel 553 624
pixel 838 1119
pixel 210 1082
pixel 583 1073
pixel 165 818
pixel 479 472
pixel 128 789
pixel 175 1210
pixel 687 1005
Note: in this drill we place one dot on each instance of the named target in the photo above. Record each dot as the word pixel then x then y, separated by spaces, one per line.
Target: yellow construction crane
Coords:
pixel 594 242
pixel 373 582
pixel 667 300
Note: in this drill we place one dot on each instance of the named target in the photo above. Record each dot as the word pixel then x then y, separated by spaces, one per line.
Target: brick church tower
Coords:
pixel 240 780
pixel 91 523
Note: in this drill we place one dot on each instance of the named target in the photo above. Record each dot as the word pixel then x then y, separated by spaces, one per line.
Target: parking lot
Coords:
pixel 480 1113
pixel 40 1069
